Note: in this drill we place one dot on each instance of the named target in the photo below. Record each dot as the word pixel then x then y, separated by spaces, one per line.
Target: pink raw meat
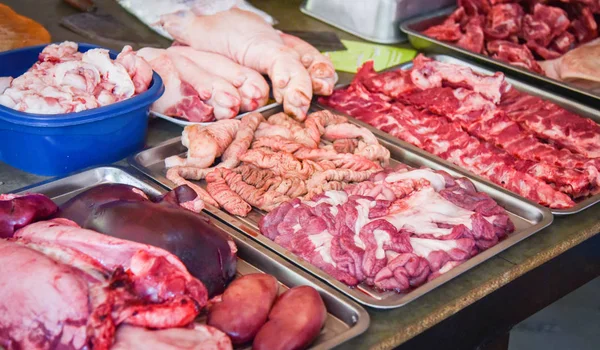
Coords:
pixel 128 282
pixel 55 297
pixel 249 41
pixel 180 98
pixel 251 86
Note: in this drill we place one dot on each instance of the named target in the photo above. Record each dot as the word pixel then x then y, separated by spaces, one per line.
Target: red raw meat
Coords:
pixel 482 119
pixel 458 16
pixel 526 175
pixel 475 7
pixel 584 26
pixel 518 55
pixel 546 23
pixel 536 30
pixel 450 29
pixel 473 39
pixel 545 53
pixel 403 272
pixel 391 83
pixel 53 296
pixel 18 211
pixel 503 20
pixel 516 30
pixel 563 42
pixel 555 17
pixel 553 123
pixel 445 32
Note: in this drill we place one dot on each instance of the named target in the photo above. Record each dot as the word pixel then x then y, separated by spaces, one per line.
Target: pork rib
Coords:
pixel 447 140
pixel 552 123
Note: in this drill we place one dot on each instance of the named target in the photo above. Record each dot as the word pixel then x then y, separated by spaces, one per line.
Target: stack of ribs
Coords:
pixel 523 143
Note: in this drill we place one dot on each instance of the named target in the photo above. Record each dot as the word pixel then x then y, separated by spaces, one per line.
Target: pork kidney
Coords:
pixel 244 306
pixel 125 212
pixel 18 211
pixel 294 322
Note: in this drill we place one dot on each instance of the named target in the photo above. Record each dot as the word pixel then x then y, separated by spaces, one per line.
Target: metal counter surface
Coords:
pixel 390 328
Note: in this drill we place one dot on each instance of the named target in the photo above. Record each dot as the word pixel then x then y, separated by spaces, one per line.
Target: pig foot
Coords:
pixel 225 105
pixel 321 69
pixel 292 86
pixel 253 93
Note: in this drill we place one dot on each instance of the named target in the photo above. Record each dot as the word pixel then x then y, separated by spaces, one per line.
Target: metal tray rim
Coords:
pixel 546 219
pixel 577 208
pixel 308 12
pixel 406 27
pixel 363 318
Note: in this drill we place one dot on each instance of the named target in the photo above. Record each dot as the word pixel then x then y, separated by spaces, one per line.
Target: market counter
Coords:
pixel 477 293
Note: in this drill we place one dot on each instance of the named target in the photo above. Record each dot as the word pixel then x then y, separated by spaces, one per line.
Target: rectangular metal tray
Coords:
pixel 414 30
pixel 570 105
pixel 381 22
pixel 528 217
pixel 345 320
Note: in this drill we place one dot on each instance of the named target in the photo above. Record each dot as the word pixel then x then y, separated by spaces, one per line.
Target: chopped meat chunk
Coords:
pixel 503 20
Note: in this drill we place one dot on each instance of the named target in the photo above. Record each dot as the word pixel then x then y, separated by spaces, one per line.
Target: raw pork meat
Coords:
pixel 191 92
pixel 18 211
pixel 523 143
pixel 249 41
pixel 393 231
pixel 252 87
pixel 205 143
pixel 124 212
pixel 91 283
pixel 180 99
pixel 55 295
pixel 519 32
pixel 66 81
pixel 264 163
pixel 319 66
pixel 200 337
pixel 214 90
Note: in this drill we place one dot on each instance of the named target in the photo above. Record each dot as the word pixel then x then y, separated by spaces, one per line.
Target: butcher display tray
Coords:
pixel 345 320
pixel 414 28
pixel 528 218
pixel 566 103
pixel 376 21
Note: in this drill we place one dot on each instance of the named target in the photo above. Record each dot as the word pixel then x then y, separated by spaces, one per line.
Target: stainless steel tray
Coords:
pixel 376 21
pixel 528 218
pixel 345 320
pixel 566 103
pixel 414 30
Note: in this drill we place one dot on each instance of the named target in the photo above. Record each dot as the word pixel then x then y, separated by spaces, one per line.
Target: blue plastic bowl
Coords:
pixel 58 144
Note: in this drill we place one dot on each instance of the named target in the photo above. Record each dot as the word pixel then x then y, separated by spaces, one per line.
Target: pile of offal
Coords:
pixel 114 268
